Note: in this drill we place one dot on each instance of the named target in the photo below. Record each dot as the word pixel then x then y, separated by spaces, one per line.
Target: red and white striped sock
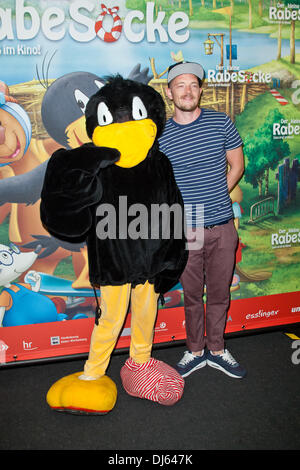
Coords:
pixel 153 380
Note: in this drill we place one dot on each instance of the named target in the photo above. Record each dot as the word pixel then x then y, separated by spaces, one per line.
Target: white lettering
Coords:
pixel 21 11
pixel 156 25
pixel 241 76
pixel 280 129
pixel 52 18
pixel 261 314
pixel 81 26
pixel 6 29
pixel 284 239
pixel 131 35
pixel 283 14
pixel 177 22
pixel 81 19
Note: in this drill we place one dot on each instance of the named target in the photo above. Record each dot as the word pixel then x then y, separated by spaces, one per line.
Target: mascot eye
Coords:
pixel 139 110
pixel 81 99
pixel 104 115
pixel 99 84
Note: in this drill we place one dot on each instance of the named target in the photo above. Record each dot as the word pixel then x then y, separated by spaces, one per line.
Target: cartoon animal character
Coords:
pixel 65 101
pixel 15 135
pixel 19 155
pixel 124 120
pixel 62 113
pixel 63 107
pixel 22 304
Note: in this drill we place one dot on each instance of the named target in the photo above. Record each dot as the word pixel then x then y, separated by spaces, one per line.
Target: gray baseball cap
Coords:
pixel 185 67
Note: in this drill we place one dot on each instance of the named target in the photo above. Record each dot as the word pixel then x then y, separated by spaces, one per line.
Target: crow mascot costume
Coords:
pixel 93 193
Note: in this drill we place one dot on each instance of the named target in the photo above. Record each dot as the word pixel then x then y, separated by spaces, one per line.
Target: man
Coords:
pixel 200 144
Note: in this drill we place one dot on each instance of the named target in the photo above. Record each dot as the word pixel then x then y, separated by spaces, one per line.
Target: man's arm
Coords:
pixel 235 158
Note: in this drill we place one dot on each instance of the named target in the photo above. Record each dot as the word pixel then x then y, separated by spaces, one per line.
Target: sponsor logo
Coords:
pixel 161 327
pixel 54 340
pixel 57 340
pixel 261 314
pixel 28 346
pixel 78 21
pixel 285 238
pixel 286 129
pixel 295 309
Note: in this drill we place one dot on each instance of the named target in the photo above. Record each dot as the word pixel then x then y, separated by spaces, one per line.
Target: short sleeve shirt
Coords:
pixel 197 152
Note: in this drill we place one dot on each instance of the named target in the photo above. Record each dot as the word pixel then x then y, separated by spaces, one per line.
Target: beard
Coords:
pixel 186 105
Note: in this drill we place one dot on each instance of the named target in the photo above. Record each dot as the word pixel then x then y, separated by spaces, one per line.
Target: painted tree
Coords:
pixel 255 167
pixel 286 3
pixel 264 152
pixel 292 42
pixel 250 14
pixel 279 41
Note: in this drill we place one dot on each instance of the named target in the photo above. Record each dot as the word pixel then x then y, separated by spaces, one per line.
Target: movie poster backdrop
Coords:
pixel 53 56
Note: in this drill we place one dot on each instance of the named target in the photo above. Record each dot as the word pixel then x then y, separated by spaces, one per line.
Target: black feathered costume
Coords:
pixel 119 194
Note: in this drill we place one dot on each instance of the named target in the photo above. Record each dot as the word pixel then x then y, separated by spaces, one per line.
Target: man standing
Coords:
pixel 201 143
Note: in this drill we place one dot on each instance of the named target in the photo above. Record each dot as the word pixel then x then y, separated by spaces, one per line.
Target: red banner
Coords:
pixel 56 339
pixel 53 59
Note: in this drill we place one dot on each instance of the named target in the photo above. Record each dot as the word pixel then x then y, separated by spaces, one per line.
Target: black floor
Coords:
pixel 260 412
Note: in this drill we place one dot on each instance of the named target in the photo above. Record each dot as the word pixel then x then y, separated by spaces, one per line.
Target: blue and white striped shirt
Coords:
pixel 197 152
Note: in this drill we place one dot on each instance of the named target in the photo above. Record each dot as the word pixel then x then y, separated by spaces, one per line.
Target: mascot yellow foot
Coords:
pixel 75 394
pixel 153 380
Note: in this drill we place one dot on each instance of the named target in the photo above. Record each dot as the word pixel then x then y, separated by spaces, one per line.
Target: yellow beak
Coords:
pixel 133 139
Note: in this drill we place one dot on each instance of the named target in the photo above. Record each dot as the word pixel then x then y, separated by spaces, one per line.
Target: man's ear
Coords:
pixel 169 93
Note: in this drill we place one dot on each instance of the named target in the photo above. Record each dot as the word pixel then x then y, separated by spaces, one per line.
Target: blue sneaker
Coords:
pixel 189 363
pixel 226 363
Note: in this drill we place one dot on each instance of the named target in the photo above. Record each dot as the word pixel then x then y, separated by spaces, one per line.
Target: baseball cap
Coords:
pixel 185 67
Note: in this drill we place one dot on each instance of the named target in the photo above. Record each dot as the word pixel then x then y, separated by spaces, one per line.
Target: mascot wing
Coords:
pixel 71 187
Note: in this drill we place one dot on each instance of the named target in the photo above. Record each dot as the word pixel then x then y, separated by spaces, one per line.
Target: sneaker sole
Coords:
pixel 199 366
pixel 217 366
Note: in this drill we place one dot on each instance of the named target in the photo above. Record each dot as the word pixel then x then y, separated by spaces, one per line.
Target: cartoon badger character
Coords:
pixel 124 120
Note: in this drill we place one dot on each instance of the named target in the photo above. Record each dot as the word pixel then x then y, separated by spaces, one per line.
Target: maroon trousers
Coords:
pixel 211 264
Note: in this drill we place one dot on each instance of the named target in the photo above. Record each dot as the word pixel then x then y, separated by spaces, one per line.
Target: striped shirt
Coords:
pixel 197 152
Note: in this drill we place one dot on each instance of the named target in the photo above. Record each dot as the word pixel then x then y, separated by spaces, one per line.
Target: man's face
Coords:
pixel 185 92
